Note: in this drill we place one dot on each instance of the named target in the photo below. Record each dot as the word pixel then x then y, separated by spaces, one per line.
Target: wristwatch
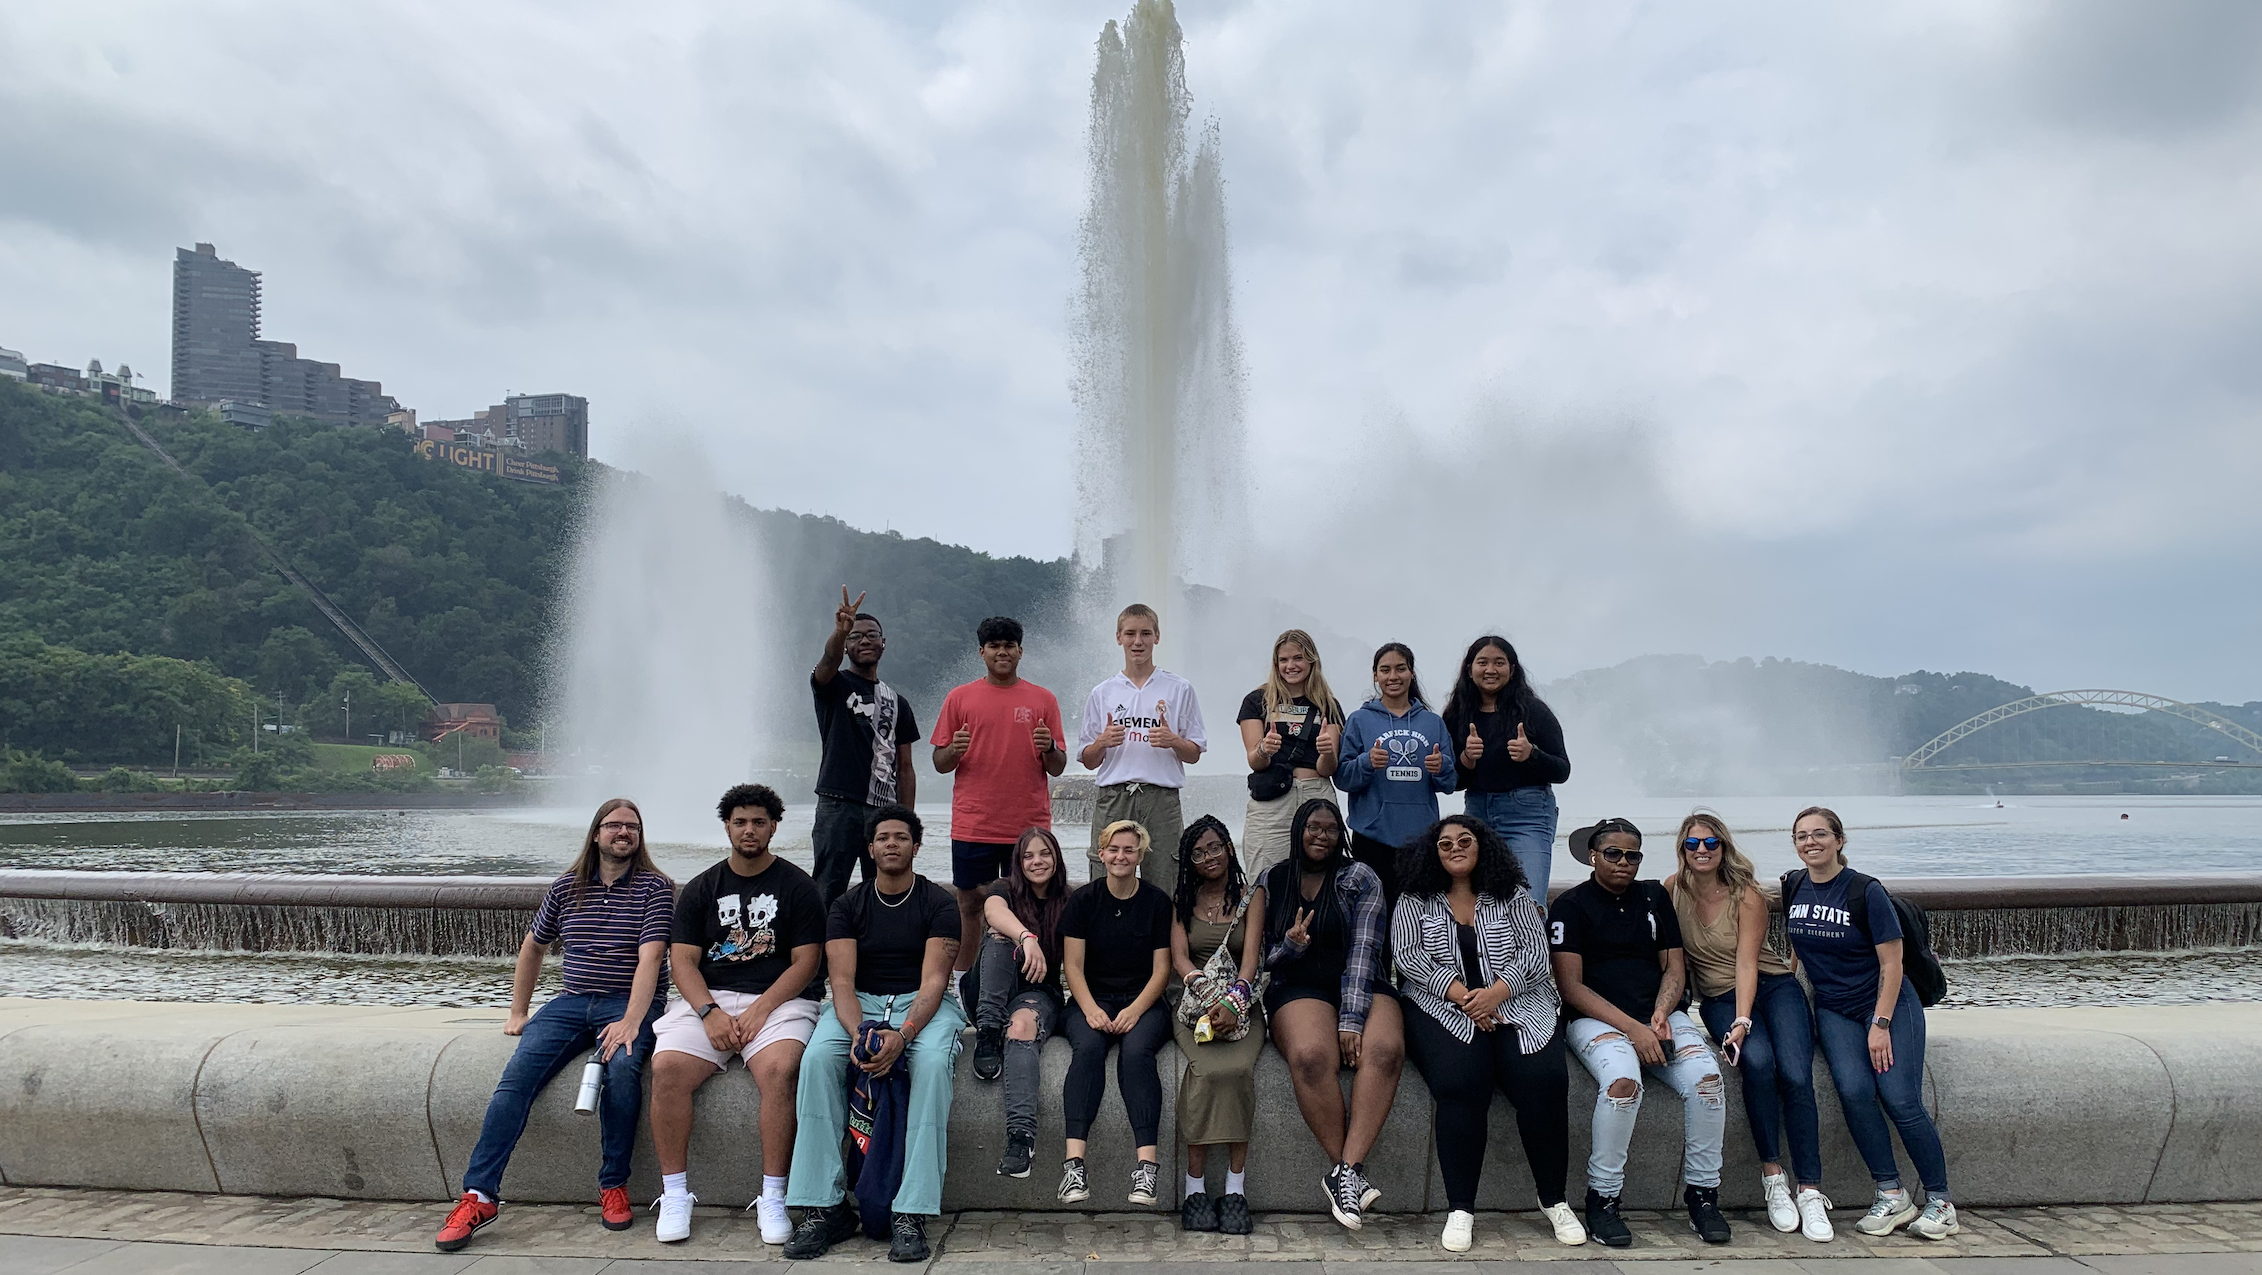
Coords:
pixel 1882 1021
pixel 708 1008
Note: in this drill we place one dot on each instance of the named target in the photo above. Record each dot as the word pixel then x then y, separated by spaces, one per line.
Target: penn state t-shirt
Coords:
pixel 1840 963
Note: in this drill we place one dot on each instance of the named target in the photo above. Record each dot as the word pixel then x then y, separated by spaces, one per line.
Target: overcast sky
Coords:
pixel 1888 336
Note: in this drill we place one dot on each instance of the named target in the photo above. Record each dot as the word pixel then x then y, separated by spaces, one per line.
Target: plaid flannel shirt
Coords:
pixel 1361 892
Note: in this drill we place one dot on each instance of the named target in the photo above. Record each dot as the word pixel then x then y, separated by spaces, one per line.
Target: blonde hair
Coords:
pixel 1143 611
pixel 1736 871
pixel 1278 692
pixel 1107 834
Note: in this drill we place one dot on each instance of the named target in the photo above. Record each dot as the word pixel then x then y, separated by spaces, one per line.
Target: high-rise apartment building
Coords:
pixel 547 422
pixel 218 353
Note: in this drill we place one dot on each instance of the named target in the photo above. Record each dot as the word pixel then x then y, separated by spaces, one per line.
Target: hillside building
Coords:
pixel 218 353
pixel 13 365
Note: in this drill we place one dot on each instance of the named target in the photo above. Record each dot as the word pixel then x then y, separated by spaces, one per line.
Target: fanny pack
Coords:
pixel 1272 783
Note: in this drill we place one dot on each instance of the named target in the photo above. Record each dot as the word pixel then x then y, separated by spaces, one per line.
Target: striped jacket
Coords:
pixel 1511 949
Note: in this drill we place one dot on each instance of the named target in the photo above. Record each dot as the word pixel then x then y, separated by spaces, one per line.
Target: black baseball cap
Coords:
pixel 1582 839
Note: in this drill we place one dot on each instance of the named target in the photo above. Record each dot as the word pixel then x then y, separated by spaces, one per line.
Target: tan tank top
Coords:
pixel 1711 949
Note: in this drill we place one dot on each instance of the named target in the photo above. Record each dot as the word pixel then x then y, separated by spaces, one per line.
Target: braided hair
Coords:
pixel 1190 881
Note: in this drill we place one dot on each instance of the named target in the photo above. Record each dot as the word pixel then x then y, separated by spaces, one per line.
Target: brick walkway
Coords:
pixel 49 1231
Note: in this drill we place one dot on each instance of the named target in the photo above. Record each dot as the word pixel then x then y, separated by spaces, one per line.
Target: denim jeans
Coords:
pixel 1005 993
pixel 1900 1091
pixel 1525 819
pixel 1777 1066
pixel 818 1179
pixel 1690 1070
pixel 561 1033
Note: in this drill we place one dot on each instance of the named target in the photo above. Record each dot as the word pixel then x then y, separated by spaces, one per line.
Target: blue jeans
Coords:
pixel 1525 819
pixel 1778 1071
pixel 1689 1070
pixel 1900 1091
pixel 561 1033
pixel 818 1179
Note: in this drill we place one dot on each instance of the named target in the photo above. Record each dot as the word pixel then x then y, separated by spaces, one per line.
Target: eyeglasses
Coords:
pixel 1615 855
pixel 620 827
pixel 1691 843
pixel 1813 834
pixel 1214 850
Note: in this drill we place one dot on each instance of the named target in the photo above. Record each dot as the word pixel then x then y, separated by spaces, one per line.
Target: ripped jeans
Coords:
pixel 1689 1069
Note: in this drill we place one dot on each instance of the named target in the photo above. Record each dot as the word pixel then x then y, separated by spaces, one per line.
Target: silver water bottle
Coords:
pixel 592 1076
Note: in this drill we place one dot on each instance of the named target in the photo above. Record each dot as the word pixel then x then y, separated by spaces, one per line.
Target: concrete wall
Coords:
pixel 2106 1105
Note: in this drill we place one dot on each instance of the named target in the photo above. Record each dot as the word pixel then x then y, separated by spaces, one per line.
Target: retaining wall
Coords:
pixel 2104 1105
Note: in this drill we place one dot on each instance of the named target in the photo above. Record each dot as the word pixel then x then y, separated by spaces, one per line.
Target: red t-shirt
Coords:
pixel 1001 787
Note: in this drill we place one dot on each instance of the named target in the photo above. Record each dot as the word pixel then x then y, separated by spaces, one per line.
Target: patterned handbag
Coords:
pixel 1219 982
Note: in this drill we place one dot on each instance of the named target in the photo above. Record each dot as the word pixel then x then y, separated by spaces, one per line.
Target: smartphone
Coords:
pixel 1733 1051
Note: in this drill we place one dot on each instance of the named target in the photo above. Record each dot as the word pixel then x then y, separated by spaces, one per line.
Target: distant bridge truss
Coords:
pixel 1924 758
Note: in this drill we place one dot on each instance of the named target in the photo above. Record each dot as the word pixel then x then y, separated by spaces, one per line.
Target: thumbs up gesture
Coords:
pixel 1041 736
pixel 962 738
pixel 1435 762
pixel 1270 744
pixel 1378 756
pixel 1112 737
pixel 1160 735
pixel 1520 748
pixel 1472 748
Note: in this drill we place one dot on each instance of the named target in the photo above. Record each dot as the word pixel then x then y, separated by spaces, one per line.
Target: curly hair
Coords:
pixel 760 796
pixel 1497 872
pixel 998 628
pixel 1190 881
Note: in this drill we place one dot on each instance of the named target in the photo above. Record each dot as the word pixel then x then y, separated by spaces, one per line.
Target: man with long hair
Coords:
pixel 610 914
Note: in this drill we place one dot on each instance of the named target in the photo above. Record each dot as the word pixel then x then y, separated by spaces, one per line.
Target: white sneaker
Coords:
pixel 1886 1213
pixel 777 1228
pixel 1938 1222
pixel 1781 1213
pixel 1568 1229
pixel 675 1217
pixel 1460 1231
pixel 1814 1216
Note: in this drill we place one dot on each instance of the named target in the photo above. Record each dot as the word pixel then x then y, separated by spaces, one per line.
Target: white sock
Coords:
pixel 773 1188
pixel 484 1198
pixel 675 1183
pixel 1235 1180
pixel 1195 1186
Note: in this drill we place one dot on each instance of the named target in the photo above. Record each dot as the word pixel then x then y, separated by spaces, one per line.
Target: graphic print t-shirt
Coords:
pixel 1120 935
pixel 845 724
pixel 1299 726
pixel 1840 963
pixel 1000 788
pixel 747 927
pixel 1618 938
pixel 891 932
pixel 1136 760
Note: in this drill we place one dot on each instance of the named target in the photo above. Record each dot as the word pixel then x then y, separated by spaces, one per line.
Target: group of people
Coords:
pixel 1353 936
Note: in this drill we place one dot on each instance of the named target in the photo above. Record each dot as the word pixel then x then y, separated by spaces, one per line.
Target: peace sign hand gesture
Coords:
pixel 1472 749
pixel 1520 748
pixel 845 618
pixel 1300 934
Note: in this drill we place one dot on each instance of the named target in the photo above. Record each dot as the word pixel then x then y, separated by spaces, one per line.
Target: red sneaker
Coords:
pixel 618 1213
pixel 467 1216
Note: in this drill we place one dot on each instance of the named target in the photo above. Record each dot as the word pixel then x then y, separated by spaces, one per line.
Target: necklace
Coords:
pixel 899 902
pixel 1212 909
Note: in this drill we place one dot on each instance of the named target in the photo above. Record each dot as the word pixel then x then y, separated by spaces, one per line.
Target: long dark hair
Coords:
pixel 586 863
pixel 1039 912
pixel 1498 873
pixel 1283 896
pixel 1190 881
pixel 1413 682
pixel 1516 696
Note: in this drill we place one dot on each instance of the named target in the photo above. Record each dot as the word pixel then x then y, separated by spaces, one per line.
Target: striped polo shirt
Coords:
pixel 601 936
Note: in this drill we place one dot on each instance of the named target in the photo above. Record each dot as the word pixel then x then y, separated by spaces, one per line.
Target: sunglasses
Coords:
pixel 1692 843
pixel 1615 855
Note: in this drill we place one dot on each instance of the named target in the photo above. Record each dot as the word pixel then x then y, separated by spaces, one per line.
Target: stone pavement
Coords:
pixel 85 1232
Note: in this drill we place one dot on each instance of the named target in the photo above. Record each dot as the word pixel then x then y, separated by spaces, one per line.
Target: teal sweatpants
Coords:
pixel 818 1178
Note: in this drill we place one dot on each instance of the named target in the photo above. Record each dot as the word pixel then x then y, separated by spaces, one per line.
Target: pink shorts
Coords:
pixel 680 1030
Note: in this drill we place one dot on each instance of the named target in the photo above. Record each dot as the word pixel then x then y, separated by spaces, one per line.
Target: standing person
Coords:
pixel 856 773
pixel 1482 1015
pixel 889 945
pixel 1217 1095
pixel 610 912
pixel 1396 759
pixel 1292 731
pixel 1845 931
pixel 1510 749
pixel 1141 729
pixel 1020 1003
pixel 1001 737
pixel 1325 939
pixel 1755 1009
pixel 1618 966
pixel 1115 954
pixel 745 948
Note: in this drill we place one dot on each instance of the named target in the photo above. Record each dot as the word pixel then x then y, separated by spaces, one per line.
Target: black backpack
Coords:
pixel 1918 960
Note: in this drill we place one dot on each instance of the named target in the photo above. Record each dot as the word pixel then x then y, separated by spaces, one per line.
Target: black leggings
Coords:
pixel 1462 1078
pixel 1135 1072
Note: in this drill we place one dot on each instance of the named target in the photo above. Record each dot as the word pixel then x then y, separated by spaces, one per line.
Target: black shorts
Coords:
pixel 977 863
pixel 1279 994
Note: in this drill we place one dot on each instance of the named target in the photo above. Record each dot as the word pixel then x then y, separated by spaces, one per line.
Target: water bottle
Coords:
pixel 592 1076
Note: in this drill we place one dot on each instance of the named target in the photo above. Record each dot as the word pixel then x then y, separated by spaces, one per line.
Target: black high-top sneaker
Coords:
pixel 1704 1213
pixel 1603 1222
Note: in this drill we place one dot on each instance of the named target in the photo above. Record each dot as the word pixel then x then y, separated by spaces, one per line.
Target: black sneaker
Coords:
pixel 989 1052
pixel 1704 1213
pixel 1603 1222
pixel 1145 1177
pixel 1020 1153
pixel 1233 1214
pixel 820 1229
pixel 1075 1186
pixel 1198 1213
pixel 1343 1194
pixel 1368 1191
pixel 910 1242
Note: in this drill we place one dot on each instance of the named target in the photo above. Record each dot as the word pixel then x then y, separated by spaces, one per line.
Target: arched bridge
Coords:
pixel 1922 758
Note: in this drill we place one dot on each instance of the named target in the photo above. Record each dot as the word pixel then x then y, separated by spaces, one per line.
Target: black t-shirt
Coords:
pixel 1618 938
pixel 891 932
pixel 1299 729
pixel 1120 935
pixel 747 927
pixel 844 727
pixel 1496 771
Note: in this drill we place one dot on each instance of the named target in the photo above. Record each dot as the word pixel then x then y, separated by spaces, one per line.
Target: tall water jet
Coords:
pixel 1159 388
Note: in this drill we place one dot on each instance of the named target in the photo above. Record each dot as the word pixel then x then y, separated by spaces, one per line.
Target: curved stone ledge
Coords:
pixel 2107 1105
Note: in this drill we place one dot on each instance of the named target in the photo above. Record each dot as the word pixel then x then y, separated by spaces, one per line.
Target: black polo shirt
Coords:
pixel 1618 938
